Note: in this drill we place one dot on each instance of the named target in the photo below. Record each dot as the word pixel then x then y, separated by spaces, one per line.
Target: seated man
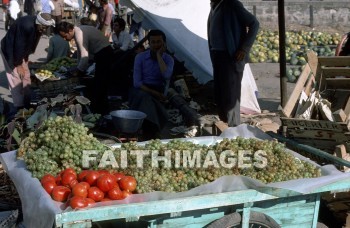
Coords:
pixel 152 69
pixel 121 39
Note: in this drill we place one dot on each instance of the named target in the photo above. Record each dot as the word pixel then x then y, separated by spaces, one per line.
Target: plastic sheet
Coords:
pixel 39 210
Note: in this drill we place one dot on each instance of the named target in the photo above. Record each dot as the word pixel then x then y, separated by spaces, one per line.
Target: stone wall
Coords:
pixel 310 13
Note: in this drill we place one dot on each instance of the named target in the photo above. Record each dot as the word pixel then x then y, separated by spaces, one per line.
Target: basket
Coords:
pixel 53 88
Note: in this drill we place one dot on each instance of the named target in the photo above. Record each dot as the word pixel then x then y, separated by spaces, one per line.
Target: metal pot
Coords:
pixel 127 121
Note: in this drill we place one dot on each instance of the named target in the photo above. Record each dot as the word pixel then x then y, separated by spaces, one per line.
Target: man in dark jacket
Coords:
pixel 19 42
pixel 231 34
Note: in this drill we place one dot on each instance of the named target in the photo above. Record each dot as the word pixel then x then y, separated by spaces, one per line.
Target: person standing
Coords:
pixel 57 10
pixel 29 7
pixel 343 47
pixel 105 18
pixel 91 44
pixel 19 42
pixel 14 12
pixel 231 34
pixel 4 6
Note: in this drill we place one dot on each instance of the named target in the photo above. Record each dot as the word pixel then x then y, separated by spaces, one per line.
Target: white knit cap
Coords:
pixel 40 20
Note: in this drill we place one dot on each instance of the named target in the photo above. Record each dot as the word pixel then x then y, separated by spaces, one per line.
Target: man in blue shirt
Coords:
pixel 152 69
pixel 231 34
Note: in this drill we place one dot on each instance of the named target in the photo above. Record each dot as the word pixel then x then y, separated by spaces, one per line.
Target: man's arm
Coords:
pixel 248 21
pixel 50 50
pixel 84 54
pixel 340 45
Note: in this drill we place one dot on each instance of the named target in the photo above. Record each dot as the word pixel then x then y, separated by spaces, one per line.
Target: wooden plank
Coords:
pixel 335 71
pixel 339 115
pixel 314 124
pixel 312 61
pixel 339 83
pixel 294 97
pixel 319 134
pixel 347 108
pixel 310 85
pixel 334 60
pixel 340 151
pixel 325 145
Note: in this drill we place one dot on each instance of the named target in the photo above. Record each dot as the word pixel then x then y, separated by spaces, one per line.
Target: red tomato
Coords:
pixel 115 194
pixel 73 183
pixel 49 186
pixel 105 199
pixel 80 190
pixel 60 193
pixel 106 182
pixel 90 201
pixel 82 175
pixel 127 183
pixel 92 177
pixel 70 170
pixel 119 176
pixel 103 171
pixel 78 202
pixel 85 184
pixel 47 177
pixel 58 180
pixel 126 194
pixel 96 194
pixel 67 178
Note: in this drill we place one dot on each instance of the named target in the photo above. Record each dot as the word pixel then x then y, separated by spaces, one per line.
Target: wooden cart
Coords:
pixel 246 208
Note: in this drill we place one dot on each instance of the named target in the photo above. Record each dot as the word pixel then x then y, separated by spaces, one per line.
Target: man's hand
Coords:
pixel 21 71
pixel 161 97
pixel 161 50
pixel 240 55
pixel 77 73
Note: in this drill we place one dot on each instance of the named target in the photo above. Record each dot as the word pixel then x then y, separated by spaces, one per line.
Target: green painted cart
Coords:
pixel 247 208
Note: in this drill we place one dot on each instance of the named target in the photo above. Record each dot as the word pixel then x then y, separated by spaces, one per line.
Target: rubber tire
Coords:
pixel 235 220
pixel 321 225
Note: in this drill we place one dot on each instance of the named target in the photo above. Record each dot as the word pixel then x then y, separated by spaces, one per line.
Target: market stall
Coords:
pixel 228 194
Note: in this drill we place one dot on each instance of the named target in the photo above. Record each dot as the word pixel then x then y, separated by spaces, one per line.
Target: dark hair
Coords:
pixel 121 22
pixel 64 27
pixel 156 32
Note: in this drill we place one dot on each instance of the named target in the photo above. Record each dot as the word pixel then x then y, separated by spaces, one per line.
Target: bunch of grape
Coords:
pixel 58 144
pixel 178 175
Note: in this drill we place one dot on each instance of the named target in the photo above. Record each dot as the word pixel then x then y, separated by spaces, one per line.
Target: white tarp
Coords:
pixel 185 24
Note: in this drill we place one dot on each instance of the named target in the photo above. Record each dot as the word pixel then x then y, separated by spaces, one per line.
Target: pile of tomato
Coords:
pixel 88 187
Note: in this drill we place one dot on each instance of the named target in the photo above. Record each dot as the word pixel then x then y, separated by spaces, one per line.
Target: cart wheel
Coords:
pixel 235 220
pixel 321 225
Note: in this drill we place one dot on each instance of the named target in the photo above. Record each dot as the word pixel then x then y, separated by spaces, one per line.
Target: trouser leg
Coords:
pixel 227 87
pixel 18 86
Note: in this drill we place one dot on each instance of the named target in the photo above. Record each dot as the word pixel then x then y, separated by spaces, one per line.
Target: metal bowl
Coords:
pixel 127 121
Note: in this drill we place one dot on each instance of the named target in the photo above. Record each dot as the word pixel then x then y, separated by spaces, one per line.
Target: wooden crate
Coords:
pixel 328 76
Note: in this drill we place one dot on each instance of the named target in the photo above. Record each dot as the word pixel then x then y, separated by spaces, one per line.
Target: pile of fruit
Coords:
pixel 266 48
pixel 46 71
pixel 279 164
pixel 88 187
pixel 59 144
